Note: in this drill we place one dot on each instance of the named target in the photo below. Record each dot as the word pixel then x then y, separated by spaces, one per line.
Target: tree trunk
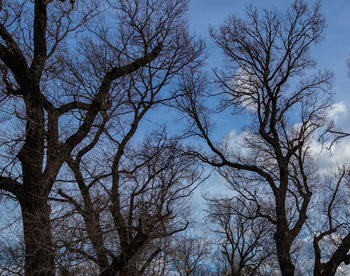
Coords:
pixel 120 266
pixel 283 252
pixel 122 271
pixel 39 253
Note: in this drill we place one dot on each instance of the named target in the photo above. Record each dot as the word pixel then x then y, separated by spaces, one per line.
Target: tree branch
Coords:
pixel 12 186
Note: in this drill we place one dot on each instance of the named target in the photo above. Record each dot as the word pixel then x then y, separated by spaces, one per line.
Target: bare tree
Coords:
pixel 267 78
pixel 189 255
pixel 61 73
pixel 130 195
pixel 153 181
pixel 244 242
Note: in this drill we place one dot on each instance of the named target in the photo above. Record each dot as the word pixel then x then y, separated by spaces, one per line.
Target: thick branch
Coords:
pixel 13 57
pixel 339 256
pixel 12 186
pixel 40 24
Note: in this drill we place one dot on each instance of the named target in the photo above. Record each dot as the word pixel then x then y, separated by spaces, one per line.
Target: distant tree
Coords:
pixel 267 78
pixel 245 243
pixel 63 67
pixel 189 255
pixel 219 263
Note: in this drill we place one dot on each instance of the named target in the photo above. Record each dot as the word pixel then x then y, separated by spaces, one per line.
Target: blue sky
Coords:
pixel 330 54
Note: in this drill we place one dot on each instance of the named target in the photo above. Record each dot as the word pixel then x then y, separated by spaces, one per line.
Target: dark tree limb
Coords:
pixel 12 186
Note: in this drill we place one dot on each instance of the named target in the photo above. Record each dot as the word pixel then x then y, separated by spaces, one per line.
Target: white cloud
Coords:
pixel 339 153
pixel 328 160
pixel 236 143
pixel 337 111
pixel 244 88
pixel 340 114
